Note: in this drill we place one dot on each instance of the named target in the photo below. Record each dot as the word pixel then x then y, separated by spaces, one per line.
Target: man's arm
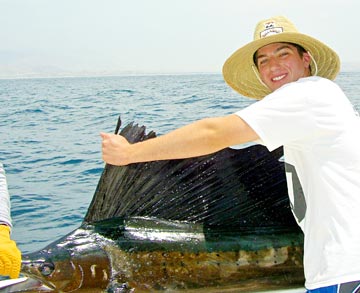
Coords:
pixel 199 138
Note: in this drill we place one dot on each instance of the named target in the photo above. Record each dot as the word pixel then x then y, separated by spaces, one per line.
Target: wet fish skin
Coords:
pixel 210 259
pixel 147 255
pixel 73 262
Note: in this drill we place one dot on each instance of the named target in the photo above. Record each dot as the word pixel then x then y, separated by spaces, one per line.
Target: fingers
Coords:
pixel 114 149
pixel 5 265
pixel 10 263
pixel 106 146
pixel 105 135
pixel 106 140
pixel 106 143
pixel 16 264
pixel 10 256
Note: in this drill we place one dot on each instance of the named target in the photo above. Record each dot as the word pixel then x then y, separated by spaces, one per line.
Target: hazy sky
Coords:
pixel 45 36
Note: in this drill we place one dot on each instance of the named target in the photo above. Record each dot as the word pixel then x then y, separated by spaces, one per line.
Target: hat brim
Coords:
pixel 238 69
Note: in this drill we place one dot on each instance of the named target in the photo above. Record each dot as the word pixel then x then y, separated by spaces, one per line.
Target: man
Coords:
pixel 10 256
pixel 301 109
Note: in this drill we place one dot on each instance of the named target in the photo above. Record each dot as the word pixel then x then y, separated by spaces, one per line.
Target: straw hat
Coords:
pixel 241 73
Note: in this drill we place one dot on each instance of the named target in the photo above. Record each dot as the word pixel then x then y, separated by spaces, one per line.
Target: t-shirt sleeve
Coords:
pixel 298 112
pixel 281 117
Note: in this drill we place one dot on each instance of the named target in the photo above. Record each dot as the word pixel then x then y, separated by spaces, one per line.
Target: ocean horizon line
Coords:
pixel 345 67
pixel 92 75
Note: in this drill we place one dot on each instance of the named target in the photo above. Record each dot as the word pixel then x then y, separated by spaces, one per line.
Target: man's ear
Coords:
pixel 307 59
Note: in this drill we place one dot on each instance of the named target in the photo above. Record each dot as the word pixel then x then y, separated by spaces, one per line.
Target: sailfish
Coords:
pixel 215 223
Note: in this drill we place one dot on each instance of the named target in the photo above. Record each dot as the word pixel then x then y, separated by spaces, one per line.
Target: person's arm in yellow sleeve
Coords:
pixel 10 255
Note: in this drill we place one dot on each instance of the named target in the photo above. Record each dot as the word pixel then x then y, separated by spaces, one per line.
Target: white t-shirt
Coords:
pixel 320 132
pixel 4 199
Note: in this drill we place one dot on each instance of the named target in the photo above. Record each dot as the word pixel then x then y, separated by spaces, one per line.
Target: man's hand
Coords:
pixel 115 149
pixel 10 255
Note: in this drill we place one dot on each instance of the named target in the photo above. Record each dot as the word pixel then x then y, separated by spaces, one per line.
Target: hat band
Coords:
pixel 254 68
pixel 313 60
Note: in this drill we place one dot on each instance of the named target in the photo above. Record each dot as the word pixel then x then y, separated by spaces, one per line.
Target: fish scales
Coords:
pixel 148 255
pixel 161 270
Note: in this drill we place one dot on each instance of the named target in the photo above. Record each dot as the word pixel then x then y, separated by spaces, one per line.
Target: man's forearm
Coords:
pixel 192 140
pixel 199 138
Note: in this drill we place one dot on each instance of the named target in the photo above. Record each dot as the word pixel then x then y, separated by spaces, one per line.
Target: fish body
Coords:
pixel 216 223
pixel 148 255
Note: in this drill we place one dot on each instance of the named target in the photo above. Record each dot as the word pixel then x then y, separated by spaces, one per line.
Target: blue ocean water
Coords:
pixel 51 148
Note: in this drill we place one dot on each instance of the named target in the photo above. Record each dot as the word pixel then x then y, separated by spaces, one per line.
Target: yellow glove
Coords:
pixel 10 255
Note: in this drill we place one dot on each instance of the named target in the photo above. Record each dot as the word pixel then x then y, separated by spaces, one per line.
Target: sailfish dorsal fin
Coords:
pixel 233 188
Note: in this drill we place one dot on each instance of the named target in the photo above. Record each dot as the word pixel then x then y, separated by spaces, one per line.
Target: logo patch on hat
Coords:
pixel 270 29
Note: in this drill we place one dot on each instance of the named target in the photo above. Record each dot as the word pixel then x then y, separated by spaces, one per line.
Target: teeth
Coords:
pixel 278 77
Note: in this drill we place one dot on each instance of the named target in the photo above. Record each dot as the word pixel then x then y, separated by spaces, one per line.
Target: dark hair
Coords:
pixel 299 48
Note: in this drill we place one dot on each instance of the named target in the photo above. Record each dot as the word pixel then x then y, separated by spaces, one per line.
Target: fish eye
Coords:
pixel 46 268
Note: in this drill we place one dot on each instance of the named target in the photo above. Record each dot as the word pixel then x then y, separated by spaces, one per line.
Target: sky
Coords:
pixel 96 37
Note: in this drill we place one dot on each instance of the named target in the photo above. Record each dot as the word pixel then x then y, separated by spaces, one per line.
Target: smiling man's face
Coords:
pixel 281 63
